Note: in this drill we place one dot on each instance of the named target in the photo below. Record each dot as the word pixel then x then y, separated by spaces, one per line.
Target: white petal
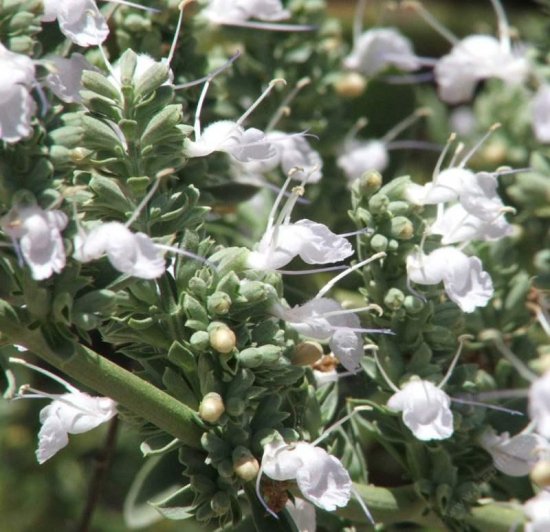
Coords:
pixel 360 157
pixel 65 76
pixel 51 438
pixel 303 514
pixel 539 404
pixel 82 22
pixel 281 461
pixel 537 510
pixel 347 346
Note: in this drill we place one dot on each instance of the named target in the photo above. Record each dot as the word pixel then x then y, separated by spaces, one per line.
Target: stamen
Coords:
pixel 262 97
pixel 485 405
pixel 478 145
pixel 456 154
pixel 518 364
pixel 413 145
pixel 511 171
pixel 358 19
pixel 259 493
pixel 340 276
pixel 389 382
pixel 364 507
pixel 367 308
pixel 11 387
pixel 133 4
pixel 365 230
pixel 271 26
pixel 461 339
pixel 500 394
pixel 188 254
pixel 313 270
pixel 503 26
pixel 65 384
pixel 181 7
pixel 441 158
pixel 431 21
pixel 358 126
pixel 284 107
pixel 277 202
pixel 212 74
pixel 339 423
pixel 404 124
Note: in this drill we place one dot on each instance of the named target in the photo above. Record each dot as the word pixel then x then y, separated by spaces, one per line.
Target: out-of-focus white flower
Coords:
pixel 462 120
pixel 464 280
pixel 79 20
pixel 537 510
pixel 426 410
pixel 65 77
pixel 322 478
pixel 516 455
pixel 360 157
pixel 476 58
pixel 239 11
pixel 324 319
pixel 541 113
pixel 539 404
pixel 303 514
pixel 16 105
pixel 131 253
pixel 73 412
pixel 455 224
pixel 37 238
pixel 379 48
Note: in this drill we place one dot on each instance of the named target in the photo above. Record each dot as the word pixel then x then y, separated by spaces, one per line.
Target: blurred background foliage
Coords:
pixel 53 496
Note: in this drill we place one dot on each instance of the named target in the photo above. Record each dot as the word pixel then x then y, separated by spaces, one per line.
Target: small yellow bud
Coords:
pixel 211 407
pixel 495 152
pixel 307 353
pixel 350 85
pixel 222 339
pixel 540 474
pixel 246 467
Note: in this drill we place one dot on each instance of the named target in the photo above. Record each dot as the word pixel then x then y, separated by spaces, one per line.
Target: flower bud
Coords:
pixel 211 407
pixel 235 406
pixel 402 228
pixel 200 340
pixel 222 339
pixel 378 204
pixel 220 503
pixel 540 474
pixel 307 353
pixel 394 299
pixel 379 243
pixel 218 303
pixel 413 305
pixel 245 464
pixel 350 85
pixel 495 152
pixel 225 468
pixel 256 356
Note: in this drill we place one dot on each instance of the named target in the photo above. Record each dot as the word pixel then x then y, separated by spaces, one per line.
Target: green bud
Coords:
pixel 202 484
pixel 379 243
pixel 254 291
pixel 98 83
pixel 393 245
pixel 220 503
pixel 370 182
pixel 197 287
pixel 225 468
pixel 394 299
pixel 378 204
pixel 151 79
pixel 402 228
pixel 245 464
pixel 235 406
pixel 413 305
pixel 99 135
pixel 127 63
pixel 222 338
pixel 256 356
pixel 162 125
pixel 399 208
pixel 218 303
pixel 200 340
pixel 211 407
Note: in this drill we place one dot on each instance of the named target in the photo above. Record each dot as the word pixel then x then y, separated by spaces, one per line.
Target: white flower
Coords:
pixel 476 58
pixel 455 224
pixel 446 186
pixel 37 238
pixel 303 514
pixel 131 253
pixel 65 77
pixel 541 113
pixel 70 413
pixel 322 478
pixel 539 404
pixel 514 456
pixel 377 49
pixel 73 412
pixel 324 319
pixel 463 277
pixel 313 242
pixel 426 410
pixel 79 20
pixel 537 510
pixel 16 105
pixel 239 11
pixel 463 120
pixel 360 157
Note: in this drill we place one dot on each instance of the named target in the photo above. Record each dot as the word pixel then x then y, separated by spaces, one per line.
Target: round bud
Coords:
pixel 220 503
pixel 379 243
pixel 200 340
pixel 245 464
pixel 235 406
pixel 370 182
pixel 350 85
pixel 222 339
pixel 218 303
pixel 79 154
pixel 402 228
pixel 211 407
pixel 413 305
pixel 378 204
pixel 307 353
pixel 394 299
pixel 495 152
pixel 540 474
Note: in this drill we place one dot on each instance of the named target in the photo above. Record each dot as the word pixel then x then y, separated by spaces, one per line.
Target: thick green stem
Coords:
pixel 100 374
pixel 402 505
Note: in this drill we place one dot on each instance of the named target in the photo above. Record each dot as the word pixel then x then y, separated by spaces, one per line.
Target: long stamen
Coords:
pixel 462 339
pixel 365 230
pixel 518 364
pixel 363 330
pixel 456 154
pixel 272 26
pixel 358 20
pixel 404 124
pixel 358 126
pixel 340 276
pixel 442 156
pixel 259 493
pixel 366 308
pixel 364 507
pixel 478 145
pixel 485 405
pixel 277 202
pixel 413 145
pixel 212 74
pixel 65 384
pixel 284 107
pixel 187 254
pixel 389 382
pixel 181 7
pixel 340 422
pixel 312 270
pixel 503 26
pixel 418 8
pixel 133 4
pixel 261 98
